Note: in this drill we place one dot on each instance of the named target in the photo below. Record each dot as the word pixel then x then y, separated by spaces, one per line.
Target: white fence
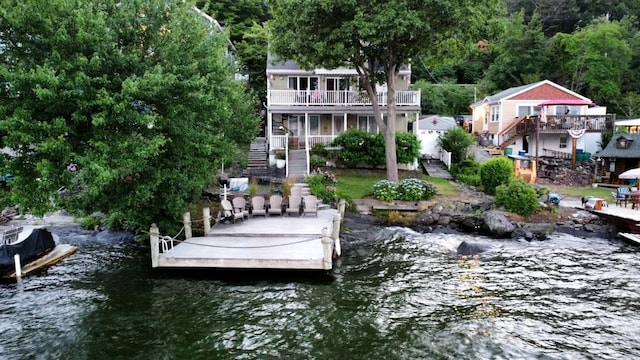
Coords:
pixel 445 157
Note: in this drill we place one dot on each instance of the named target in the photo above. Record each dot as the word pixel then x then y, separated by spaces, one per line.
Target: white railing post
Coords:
pixel 18 266
pixel 286 155
pixel 206 217
pixel 154 238
pixel 335 233
pixel 186 220
pixel 327 251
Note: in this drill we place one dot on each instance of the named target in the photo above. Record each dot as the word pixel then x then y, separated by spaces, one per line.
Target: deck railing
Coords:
pixel 320 139
pixel 337 98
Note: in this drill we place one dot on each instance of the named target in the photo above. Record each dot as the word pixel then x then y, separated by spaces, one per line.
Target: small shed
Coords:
pixel 429 128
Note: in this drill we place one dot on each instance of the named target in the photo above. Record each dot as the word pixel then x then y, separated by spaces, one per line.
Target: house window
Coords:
pixel 494 114
pixel 623 143
pixel 314 125
pixel 368 123
pixel 523 111
pixel 303 82
pixel 567 110
pixel 563 142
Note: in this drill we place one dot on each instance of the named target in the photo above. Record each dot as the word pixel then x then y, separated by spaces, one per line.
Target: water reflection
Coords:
pixel 401 295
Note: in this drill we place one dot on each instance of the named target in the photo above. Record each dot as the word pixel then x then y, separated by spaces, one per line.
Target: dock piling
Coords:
pixel 327 250
pixel 335 234
pixel 206 217
pixel 16 261
pixel 154 238
pixel 186 219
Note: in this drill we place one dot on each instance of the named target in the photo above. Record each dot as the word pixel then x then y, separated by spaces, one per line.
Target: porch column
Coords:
pixel 268 129
pixel 344 126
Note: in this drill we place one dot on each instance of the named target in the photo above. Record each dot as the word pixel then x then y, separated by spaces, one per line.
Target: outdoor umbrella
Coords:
pixel 631 174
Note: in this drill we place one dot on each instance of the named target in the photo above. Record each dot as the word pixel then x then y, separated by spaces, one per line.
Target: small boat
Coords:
pixel 37 247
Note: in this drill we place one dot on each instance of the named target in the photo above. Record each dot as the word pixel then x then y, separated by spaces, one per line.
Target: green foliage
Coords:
pixel 518 197
pixel 319 150
pixel 495 172
pixel 415 189
pixel 316 162
pixel 407 190
pixel 407 147
pixel 467 171
pixel 323 185
pixel 359 148
pixel 444 99
pixel 137 95
pixel 385 190
pixel 456 141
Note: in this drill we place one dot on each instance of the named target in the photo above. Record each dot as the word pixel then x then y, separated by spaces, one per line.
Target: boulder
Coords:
pixel 497 224
pixel 472 248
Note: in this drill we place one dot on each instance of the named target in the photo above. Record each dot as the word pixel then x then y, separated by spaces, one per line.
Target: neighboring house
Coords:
pixel 306 107
pixel 429 129
pixel 545 113
pixel 621 154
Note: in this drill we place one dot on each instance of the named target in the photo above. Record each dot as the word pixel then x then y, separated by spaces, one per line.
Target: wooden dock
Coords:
pixel 275 242
pixel 634 238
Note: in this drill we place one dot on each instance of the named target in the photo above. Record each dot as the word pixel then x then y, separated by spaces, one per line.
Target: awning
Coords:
pixel 571 102
pixel 628 122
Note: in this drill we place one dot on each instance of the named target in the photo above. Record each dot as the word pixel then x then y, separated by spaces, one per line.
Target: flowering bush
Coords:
pixel 407 190
pixel 415 189
pixel 322 185
pixel 385 190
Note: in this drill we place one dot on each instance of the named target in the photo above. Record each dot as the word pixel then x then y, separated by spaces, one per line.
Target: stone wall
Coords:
pixel 558 172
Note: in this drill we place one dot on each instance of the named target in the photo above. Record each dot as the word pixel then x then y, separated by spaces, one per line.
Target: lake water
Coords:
pixel 400 296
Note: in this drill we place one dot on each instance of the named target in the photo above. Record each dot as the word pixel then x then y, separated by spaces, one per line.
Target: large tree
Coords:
pixel 129 106
pixel 375 37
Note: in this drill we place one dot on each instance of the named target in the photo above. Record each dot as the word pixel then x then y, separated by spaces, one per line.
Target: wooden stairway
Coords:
pixel 258 156
pixel 513 133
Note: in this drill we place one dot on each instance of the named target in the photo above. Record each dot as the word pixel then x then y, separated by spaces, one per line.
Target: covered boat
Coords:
pixel 30 244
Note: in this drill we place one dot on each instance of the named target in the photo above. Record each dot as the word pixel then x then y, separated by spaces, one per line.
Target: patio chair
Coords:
pixel 258 206
pixel 295 204
pixel 275 205
pixel 622 196
pixel 310 205
pixel 227 212
pixel 240 206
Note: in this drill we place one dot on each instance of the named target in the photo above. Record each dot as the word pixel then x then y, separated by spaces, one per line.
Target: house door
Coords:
pixel 297 132
pixel 336 89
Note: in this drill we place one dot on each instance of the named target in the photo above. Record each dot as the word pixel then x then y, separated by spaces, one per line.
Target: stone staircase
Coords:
pixel 298 164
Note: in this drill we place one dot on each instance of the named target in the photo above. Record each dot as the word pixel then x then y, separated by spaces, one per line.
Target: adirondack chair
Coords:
pixel 258 206
pixel 310 205
pixel 275 205
pixel 227 212
pixel 240 206
pixel 295 204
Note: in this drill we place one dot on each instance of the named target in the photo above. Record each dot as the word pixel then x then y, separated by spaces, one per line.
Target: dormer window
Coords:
pixel 623 143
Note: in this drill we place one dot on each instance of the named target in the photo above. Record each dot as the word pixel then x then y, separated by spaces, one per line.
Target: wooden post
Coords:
pixel 342 205
pixel 335 234
pixel 154 238
pixel 327 251
pixel 206 217
pixel 574 143
pixel 186 220
pixel 18 266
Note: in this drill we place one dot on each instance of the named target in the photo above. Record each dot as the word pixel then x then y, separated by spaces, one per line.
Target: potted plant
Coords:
pixel 280 159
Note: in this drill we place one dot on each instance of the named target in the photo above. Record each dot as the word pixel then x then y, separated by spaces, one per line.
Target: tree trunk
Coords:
pixel 390 131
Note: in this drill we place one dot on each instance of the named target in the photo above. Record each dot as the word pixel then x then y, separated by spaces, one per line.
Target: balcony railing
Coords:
pixel 337 98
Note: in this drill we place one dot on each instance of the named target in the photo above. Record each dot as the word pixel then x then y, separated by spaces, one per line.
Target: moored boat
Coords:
pixel 37 248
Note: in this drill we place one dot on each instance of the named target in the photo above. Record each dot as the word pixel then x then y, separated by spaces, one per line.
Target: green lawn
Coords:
pixel 581 191
pixel 358 186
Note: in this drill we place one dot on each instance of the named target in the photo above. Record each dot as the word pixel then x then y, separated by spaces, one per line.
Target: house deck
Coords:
pixel 621 216
pixel 274 242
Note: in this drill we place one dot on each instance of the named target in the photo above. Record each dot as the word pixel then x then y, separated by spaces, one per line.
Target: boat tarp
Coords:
pixel 38 243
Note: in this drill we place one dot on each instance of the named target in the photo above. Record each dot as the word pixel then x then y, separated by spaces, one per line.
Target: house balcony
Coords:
pixel 337 98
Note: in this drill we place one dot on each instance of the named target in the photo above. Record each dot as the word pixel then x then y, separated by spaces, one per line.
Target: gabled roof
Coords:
pixel 611 151
pixel 277 66
pixel 541 90
pixel 436 122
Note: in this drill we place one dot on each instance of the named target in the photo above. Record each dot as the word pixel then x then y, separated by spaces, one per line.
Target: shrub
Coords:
pixel 407 147
pixel 316 162
pixel 360 148
pixel 318 149
pixel 456 141
pixel 495 172
pixel 467 171
pixel 518 197
pixel 322 185
pixel 415 189
pixel 385 190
